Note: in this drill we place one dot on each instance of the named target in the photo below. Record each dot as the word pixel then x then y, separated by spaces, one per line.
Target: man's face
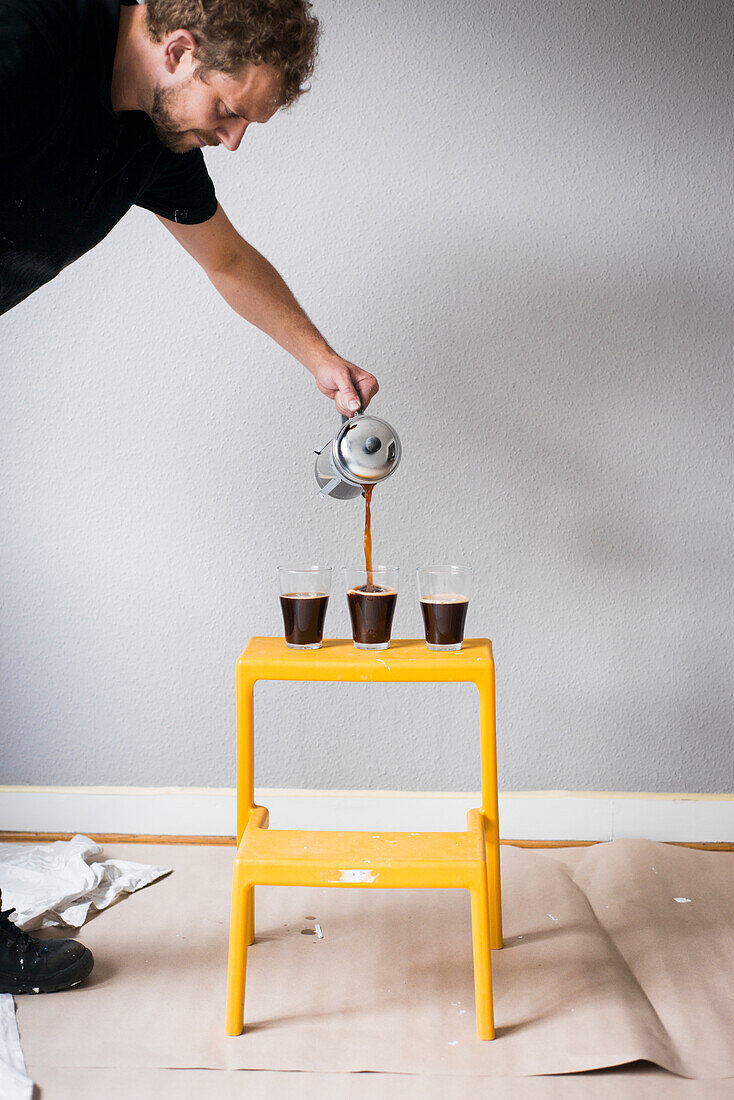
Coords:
pixel 216 109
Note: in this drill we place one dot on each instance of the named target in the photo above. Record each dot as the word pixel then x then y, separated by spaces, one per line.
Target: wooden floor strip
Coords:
pixel 223 841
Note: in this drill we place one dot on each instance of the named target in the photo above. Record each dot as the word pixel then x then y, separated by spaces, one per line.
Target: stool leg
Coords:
pixel 490 803
pixel 245 750
pixel 492 847
pixel 482 959
pixel 237 965
pixel 250 929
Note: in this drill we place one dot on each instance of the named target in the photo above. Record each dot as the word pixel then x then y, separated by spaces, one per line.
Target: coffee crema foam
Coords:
pixel 372 590
pixel 444 598
pixel 303 595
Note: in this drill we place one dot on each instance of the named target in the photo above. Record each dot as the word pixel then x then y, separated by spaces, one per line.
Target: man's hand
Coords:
pixel 348 386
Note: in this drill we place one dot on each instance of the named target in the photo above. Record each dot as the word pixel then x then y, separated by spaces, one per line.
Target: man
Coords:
pixel 105 104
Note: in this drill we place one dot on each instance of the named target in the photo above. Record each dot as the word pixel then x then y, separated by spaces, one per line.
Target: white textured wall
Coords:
pixel 519 216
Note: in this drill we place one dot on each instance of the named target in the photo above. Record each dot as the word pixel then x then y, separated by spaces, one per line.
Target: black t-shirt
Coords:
pixel 69 167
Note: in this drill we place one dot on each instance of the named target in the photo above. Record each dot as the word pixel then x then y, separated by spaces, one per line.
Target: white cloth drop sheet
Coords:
pixel 48 885
pixel 58 883
pixel 14 1083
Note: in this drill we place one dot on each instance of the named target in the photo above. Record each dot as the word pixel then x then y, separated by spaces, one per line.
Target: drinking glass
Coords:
pixel 304 594
pixel 444 595
pixel 372 596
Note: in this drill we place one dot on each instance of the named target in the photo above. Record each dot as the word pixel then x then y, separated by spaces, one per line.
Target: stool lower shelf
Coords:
pixel 408 860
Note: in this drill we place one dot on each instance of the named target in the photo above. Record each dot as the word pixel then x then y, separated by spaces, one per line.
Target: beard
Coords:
pixel 165 123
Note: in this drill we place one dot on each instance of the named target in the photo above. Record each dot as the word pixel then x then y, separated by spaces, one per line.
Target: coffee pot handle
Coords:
pixel 355 414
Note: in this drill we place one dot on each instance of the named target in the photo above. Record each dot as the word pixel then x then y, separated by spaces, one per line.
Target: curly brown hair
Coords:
pixel 232 33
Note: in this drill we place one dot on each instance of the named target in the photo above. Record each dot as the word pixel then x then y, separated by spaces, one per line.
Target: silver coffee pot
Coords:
pixel 364 451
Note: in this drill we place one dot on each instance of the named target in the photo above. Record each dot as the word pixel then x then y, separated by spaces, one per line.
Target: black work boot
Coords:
pixel 28 965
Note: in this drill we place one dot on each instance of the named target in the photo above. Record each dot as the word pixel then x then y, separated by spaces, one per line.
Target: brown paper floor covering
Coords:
pixel 602 967
pixel 624 1083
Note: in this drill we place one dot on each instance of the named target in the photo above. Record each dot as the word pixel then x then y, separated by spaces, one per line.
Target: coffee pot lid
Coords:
pixel 367 449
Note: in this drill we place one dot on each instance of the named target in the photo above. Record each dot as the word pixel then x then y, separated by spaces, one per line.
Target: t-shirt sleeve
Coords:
pixel 181 189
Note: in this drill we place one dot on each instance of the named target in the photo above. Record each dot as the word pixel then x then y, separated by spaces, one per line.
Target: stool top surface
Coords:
pixel 407 658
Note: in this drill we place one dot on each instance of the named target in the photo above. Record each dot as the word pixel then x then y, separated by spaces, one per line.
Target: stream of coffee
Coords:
pixel 368 534
pixel 371 606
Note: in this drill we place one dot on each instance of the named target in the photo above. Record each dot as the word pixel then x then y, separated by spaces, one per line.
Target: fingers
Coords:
pixel 351 388
pixel 347 399
pixel 368 386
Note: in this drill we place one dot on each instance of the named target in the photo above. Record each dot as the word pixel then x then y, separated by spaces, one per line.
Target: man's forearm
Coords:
pixel 255 290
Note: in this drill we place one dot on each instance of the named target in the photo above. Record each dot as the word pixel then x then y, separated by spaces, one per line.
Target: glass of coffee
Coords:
pixel 372 595
pixel 304 594
pixel 444 595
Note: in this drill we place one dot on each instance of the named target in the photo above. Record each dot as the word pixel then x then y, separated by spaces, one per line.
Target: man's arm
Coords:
pixel 255 290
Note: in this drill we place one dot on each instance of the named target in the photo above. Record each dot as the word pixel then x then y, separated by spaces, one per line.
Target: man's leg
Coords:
pixel 29 965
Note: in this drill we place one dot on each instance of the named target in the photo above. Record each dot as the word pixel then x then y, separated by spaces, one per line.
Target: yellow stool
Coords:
pixel 273 857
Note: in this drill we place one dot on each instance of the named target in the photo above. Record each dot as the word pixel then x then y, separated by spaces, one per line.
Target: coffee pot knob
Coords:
pixel 366 449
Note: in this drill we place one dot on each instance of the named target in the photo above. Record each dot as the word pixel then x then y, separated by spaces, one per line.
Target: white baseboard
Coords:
pixel 524 815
